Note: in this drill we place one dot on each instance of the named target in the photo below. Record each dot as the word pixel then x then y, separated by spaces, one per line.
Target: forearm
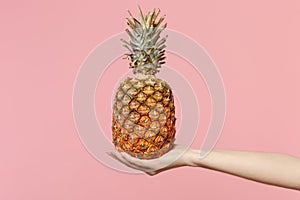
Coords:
pixel 271 168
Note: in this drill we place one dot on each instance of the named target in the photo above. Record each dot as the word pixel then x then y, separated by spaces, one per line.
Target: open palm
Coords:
pixel 174 158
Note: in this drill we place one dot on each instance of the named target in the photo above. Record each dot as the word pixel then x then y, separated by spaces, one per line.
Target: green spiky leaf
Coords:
pixel 145 45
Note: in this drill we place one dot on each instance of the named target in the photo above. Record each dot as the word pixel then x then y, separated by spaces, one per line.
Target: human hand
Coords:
pixel 246 164
pixel 174 158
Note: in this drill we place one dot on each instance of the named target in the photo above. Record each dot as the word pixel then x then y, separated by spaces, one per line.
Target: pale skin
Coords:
pixel 270 168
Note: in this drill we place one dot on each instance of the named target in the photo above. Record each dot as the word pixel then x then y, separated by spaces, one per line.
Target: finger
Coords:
pixel 139 164
pixel 113 155
pixel 121 157
pixel 142 164
pixel 116 156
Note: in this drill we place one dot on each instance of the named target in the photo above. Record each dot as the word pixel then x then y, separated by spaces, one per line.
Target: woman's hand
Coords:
pixel 174 158
pixel 270 168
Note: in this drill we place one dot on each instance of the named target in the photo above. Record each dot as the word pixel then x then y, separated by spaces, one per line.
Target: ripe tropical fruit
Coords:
pixel 143 122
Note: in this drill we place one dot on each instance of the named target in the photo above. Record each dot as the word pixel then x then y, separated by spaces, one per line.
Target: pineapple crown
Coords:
pixel 146 49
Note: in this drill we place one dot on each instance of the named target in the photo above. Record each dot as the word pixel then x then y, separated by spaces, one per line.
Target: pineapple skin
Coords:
pixel 143 121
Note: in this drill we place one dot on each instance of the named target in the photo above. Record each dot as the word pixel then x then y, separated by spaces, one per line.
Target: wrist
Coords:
pixel 192 158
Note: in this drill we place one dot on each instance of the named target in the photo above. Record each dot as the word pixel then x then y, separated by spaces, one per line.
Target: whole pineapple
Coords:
pixel 143 123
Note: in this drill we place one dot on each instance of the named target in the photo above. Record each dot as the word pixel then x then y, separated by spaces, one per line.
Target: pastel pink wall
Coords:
pixel 42 45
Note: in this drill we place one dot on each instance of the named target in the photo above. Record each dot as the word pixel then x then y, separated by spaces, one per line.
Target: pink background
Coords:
pixel 42 45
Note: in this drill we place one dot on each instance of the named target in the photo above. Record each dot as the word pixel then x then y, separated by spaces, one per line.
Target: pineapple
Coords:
pixel 143 122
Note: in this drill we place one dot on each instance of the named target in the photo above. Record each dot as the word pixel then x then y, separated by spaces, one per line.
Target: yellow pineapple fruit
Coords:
pixel 143 123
